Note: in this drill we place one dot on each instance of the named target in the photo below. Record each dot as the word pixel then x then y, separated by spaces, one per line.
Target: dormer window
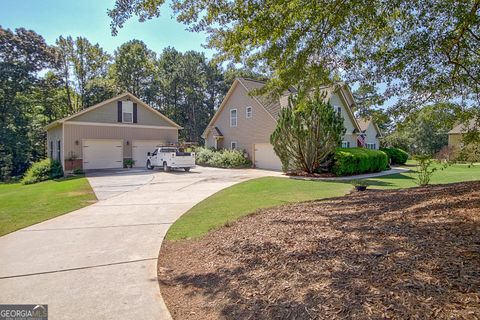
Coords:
pixel 127 111
pixel 249 112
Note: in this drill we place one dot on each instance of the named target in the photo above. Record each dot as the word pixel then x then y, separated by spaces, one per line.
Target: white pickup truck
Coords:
pixel 170 158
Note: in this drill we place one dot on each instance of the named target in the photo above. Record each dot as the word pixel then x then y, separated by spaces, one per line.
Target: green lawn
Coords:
pixel 244 198
pixel 24 205
pixel 241 199
pixel 450 174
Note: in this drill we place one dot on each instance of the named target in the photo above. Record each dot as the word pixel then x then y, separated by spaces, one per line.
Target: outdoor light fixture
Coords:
pixel 128 142
pixel 76 142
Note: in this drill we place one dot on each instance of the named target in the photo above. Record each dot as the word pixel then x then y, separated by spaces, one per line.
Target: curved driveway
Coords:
pixel 100 262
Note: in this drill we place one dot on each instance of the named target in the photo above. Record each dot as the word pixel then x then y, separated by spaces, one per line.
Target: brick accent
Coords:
pixel 73 164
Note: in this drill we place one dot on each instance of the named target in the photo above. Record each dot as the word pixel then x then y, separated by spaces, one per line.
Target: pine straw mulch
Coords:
pixel 400 254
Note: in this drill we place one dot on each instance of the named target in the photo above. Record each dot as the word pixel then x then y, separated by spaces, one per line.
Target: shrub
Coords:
pixel 307 133
pixel 425 170
pixel 43 170
pixel 349 161
pixel 221 158
pixel 396 155
pixel 203 155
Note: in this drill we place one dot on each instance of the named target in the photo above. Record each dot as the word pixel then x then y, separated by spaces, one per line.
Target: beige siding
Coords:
pixel 108 114
pixel 455 141
pixel 337 101
pixel 248 131
pixel 371 135
pixel 54 134
pixel 75 132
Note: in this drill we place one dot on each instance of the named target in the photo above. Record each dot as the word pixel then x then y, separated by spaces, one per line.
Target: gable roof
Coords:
pixel 461 128
pixel 364 123
pixel 103 103
pixel 273 106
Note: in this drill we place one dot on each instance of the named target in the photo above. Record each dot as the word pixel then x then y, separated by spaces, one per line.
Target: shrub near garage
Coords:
pixel 396 155
pixel 348 161
pixel 43 170
pixel 221 158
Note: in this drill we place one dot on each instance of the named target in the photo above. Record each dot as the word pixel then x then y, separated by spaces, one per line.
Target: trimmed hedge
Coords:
pixel 221 158
pixel 396 155
pixel 43 170
pixel 348 161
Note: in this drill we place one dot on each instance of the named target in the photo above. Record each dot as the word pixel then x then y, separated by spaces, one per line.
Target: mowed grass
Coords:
pixel 239 200
pixel 449 174
pixel 242 199
pixel 24 205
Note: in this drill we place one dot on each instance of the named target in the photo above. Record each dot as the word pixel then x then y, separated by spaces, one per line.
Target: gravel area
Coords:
pixel 397 254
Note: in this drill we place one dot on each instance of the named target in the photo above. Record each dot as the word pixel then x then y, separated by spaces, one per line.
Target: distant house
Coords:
pixel 104 135
pixel 245 122
pixel 455 136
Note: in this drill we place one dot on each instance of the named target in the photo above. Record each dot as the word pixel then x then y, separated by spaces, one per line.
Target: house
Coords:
pixel 455 136
pixel 245 121
pixel 104 135
pixel 370 133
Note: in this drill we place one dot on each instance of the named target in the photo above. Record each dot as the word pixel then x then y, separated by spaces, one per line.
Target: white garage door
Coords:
pixel 140 149
pixel 102 154
pixel 265 157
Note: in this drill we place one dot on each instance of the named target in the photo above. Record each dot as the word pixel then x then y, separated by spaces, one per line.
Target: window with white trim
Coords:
pixel 345 144
pixel 249 112
pixel 127 111
pixel 371 146
pixel 233 117
pixel 233 145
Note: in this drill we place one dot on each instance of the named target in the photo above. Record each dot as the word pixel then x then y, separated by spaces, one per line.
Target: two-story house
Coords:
pixel 245 122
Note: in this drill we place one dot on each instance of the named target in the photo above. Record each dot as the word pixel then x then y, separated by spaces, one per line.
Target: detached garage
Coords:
pixel 105 135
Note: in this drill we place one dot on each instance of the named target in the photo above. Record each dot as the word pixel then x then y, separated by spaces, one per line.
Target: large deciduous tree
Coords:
pixel 23 54
pixel 134 69
pixel 421 50
pixel 81 64
pixel 307 133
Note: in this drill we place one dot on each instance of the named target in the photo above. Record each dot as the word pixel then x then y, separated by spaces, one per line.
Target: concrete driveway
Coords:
pixel 100 262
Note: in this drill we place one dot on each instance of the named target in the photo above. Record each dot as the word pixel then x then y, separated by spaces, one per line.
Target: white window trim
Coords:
pixel 236 117
pixel 125 111
pixel 231 145
pixel 346 143
pixel 251 112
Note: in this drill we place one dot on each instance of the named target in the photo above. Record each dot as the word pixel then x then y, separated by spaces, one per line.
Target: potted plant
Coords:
pixel 128 163
pixel 360 185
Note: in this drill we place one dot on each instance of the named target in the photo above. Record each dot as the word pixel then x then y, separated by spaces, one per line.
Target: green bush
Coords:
pixel 43 170
pixel 221 158
pixel 203 155
pixel 396 155
pixel 348 161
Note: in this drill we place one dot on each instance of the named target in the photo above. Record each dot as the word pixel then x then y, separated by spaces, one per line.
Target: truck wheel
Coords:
pixel 165 167
pixel 186 169
pixel 149 166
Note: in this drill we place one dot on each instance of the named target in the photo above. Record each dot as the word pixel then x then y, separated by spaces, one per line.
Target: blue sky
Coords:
pixel 88 18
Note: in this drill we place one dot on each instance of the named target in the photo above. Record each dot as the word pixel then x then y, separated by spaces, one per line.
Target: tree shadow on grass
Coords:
pixel 381 254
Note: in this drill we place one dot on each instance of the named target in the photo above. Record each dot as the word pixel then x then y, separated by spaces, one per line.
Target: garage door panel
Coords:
pixel 140 149
pixel 102 154
pixel 265 157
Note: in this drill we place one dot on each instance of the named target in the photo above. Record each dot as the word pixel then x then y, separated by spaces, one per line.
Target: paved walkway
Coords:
pixel 100 262
pixel 358 176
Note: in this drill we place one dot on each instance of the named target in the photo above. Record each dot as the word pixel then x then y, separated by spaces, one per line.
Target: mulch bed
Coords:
pixel 399 254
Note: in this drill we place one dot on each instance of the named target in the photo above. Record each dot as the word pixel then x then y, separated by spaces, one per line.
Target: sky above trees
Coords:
pixel 88 18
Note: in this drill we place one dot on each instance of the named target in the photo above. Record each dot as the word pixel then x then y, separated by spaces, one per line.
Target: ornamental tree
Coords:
pixel 307 133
